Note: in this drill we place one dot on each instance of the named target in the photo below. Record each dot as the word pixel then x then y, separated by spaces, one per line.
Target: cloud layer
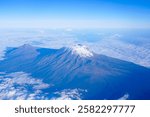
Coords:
pixel 122 50
pixel 108 44
pixel 21 86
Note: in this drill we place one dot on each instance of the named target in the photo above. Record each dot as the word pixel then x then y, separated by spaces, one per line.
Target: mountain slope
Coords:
pixel 77 67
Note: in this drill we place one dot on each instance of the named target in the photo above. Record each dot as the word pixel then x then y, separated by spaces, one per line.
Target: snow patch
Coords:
pixel 81 50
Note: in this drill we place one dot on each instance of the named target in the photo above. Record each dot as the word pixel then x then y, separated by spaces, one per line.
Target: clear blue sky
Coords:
pixel 75 13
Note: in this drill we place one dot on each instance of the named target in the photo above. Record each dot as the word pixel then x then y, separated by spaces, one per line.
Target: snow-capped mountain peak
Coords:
pixel 81 50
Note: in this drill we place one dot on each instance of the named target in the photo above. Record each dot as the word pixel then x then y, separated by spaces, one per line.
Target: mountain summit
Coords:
pixel 81 50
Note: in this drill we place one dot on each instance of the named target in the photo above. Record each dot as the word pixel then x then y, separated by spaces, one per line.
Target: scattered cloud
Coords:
pixel 124 97
pixel 21 86
pixel 69 94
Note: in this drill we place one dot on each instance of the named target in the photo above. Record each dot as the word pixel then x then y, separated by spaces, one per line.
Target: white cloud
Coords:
pixel 124 97
pixel 20 85
pixel 69 94
pixel 41 86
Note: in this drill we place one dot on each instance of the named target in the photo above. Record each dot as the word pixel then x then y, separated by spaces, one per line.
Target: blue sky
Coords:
pixel 75 13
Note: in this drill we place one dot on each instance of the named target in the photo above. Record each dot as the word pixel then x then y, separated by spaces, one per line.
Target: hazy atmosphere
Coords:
pixel 74 13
